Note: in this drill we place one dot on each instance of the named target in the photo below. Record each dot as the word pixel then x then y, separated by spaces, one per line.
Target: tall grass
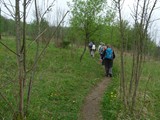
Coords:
pixel 60 84
pixel 147 102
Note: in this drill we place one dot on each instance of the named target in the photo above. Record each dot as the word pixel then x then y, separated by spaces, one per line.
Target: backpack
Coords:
pixel 101 50
pixel 109 53
pixel 90 45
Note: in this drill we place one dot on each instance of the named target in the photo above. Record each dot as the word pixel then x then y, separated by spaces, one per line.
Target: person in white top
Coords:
pixel 93 50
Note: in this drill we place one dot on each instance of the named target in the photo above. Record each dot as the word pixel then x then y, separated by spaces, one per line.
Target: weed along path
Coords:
pixel 91 108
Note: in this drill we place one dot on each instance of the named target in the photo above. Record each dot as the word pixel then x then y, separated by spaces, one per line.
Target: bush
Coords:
pixel 65 43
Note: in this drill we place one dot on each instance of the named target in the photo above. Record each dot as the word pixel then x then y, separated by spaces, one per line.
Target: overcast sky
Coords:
pixel 60 7
pixel 154 28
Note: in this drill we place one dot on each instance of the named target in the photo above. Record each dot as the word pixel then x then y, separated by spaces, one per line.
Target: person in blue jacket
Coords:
pixel 108 57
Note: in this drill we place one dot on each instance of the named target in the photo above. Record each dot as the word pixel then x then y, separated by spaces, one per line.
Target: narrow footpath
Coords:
pixel 91 107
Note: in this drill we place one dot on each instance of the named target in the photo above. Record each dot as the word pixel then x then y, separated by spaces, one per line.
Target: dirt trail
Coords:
pixel 91 107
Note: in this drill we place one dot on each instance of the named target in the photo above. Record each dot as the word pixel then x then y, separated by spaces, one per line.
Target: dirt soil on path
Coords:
pixel 91 107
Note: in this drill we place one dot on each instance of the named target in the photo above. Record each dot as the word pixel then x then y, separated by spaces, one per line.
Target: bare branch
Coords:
pixel 154 20
pixel 150 14
pixel 6 6
pixel 48 41
pixel 12 6
pixel 28 2
pixel 9 49
pixel 7 14
pixel 136 9
pixel 37 38
pixel 156 8
pixel 31 2
pixel 48 9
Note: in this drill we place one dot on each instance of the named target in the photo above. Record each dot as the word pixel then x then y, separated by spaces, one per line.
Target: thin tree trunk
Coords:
pixel 123 82
pixel 35 59
pixel 23 50
pixel 0 25
pixel 83 51
pixel 141 44
pixel 85 45
pixel 19 60
pixel 134 54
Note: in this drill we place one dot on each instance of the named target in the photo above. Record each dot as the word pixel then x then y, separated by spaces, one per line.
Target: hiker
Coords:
pixel 93 49
pixel 101 48
pixel 103 54
pixel 108 57
pixel 90 46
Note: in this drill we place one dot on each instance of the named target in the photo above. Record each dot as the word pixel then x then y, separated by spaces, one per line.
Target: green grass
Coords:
pixel 62 81
pixel 111 104
pixel 147 102
pixel 152 102
pixel 60 84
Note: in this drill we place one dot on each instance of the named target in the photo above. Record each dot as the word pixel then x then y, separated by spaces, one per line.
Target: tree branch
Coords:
pixel 48 9
pixel 9 49
pixel 48 42
pixel 6 5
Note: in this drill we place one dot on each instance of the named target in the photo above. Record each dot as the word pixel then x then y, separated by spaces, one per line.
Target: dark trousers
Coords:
pixel 108 66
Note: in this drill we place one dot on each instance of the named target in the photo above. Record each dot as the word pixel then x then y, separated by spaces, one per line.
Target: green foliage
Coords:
pixel 65 44
pixel 87 17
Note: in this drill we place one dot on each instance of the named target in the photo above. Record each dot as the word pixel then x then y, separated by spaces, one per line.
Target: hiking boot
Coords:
pixel 107 75
pixel 110 75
